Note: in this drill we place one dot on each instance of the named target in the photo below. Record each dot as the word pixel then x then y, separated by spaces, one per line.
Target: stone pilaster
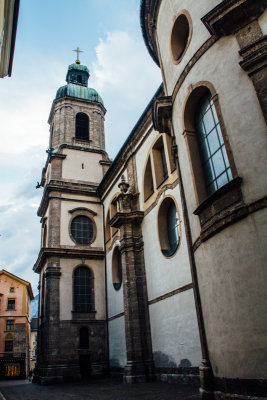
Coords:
pixel 139 367
pixel 49 329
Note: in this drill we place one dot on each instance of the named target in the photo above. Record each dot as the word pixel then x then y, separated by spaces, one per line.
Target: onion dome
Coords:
pixel 77 81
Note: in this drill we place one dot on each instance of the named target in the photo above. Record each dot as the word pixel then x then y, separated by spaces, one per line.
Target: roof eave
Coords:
pixel 145 7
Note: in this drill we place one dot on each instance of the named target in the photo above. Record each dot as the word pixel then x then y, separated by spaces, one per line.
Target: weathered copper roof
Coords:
pixel 80 92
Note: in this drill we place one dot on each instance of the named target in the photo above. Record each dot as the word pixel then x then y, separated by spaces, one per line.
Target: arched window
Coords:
pixel 148 181
pixel 84 338
pixel 168 227
pixel 83 296
pixel 79 78
pixel 210 156
pixel 44 236
pixel 82 126
pixel 160 164
pixel 214 160
pixel 116 269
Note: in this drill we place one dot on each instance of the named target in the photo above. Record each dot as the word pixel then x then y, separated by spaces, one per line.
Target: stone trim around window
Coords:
pixel 82 211
pixel 180 37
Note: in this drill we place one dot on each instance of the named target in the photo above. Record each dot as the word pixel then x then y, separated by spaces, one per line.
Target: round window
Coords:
pixel 180 37
pixel 82 229
pixel 168 227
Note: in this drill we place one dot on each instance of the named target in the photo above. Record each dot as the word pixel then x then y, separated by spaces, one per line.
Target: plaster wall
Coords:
pixel 164 274
pixel 174 330
pixel 65 286
pixel 66 216
pixel 82 166
pixel 244 122
pixel 263 22
pixel 117 343
pixel 167 13
pixel 236 318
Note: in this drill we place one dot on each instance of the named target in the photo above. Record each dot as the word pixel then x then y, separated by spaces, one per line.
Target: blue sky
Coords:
pixel 121 71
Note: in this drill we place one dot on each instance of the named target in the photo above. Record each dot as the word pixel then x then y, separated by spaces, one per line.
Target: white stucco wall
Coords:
pixel 117 344
pixel 263 22
pixel 174 331
pixel 167 12
pixel 234 294
pixel 164 274
pixel 72 169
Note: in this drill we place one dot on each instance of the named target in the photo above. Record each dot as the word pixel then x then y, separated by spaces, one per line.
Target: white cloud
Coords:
pixel 19 225
pixel 126 78
pixel 25 105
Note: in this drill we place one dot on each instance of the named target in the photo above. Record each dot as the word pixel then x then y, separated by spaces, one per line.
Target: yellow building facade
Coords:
pixel 15 297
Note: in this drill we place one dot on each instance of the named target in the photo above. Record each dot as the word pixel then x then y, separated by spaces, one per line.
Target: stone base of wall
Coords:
pixel 188 375
pixel 239 389
pixel 51 374
pixel 229 396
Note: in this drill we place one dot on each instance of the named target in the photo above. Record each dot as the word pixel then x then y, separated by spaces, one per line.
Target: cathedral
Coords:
pixel 152 266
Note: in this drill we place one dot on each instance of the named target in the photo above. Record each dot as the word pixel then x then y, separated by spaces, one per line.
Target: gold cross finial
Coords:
pixel 78 51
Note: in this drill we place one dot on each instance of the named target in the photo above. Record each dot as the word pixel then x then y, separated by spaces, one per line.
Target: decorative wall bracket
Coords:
pixel 231 15
pixel 162 114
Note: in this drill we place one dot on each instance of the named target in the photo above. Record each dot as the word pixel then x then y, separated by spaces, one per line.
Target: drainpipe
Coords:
pixel 205 369
pixel 106 289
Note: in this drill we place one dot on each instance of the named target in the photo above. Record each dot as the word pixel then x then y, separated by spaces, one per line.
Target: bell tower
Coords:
pixel 72 339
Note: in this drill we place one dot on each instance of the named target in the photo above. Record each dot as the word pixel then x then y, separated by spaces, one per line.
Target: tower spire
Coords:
pixel 78 51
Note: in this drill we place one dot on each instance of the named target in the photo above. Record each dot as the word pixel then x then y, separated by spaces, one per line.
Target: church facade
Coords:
pixel 153 265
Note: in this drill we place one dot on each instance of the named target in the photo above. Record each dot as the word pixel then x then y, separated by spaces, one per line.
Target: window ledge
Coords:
pixel 148 197
pixel 77 315
pixel 222 208
pixel 161 183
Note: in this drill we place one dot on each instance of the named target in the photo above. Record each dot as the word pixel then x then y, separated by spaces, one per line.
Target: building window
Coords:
pixel 82 126
pixel 8 345
pixel 10 324
pixel 79 78
pixel 210 157
pixel 214 160
pixel 148 180
pixel 168 227
pixel 82 229
pixel 44 236
pixel 11 304
pixel 180 36
pixel 160 164
pixel 12 290
pixel 116 269
pixel 83 297
pixel 84 338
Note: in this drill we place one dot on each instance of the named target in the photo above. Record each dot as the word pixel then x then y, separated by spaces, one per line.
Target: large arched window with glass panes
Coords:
pixel 83 290
pixel 213 156
pixel 82 126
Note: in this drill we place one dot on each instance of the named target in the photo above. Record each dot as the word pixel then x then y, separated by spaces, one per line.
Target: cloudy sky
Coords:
pixel 108 31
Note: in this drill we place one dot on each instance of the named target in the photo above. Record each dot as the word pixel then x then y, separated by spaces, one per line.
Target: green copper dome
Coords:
pixel 81 92
pixel 77 80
